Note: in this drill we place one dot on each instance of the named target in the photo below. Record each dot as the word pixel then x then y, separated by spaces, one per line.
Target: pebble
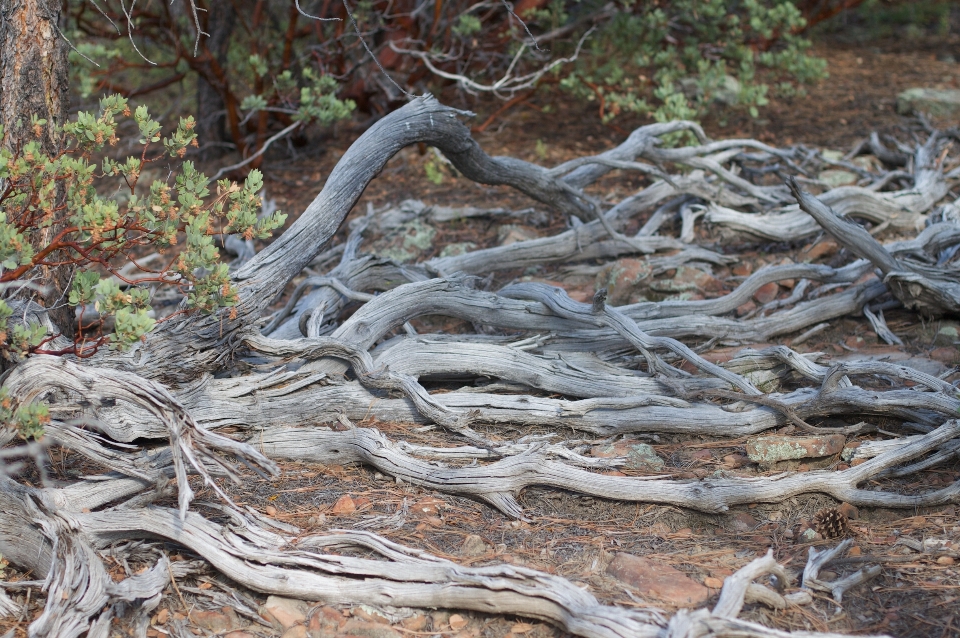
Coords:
pixel 658 580
pixel 286 612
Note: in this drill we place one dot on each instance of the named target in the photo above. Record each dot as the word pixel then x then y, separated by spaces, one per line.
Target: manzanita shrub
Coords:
pixel 676 60
pixel 75 200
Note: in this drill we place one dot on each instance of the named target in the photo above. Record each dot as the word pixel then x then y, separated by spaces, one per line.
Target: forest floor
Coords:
pixel 577 536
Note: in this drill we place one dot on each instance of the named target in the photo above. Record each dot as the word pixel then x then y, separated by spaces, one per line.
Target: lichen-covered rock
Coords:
pixel 639 456
pixel 688 279
pixel 834 177
pixel 623 280
pixel 407 242
pixel 936 102
pixel 459 248
pixel 774 448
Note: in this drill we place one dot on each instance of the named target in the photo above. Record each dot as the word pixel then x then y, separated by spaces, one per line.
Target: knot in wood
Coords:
pixel 599 301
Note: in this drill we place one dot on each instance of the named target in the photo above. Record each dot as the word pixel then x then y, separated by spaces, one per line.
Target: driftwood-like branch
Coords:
pixel 148 417
pixel 497 482
pixel 927 293
pixel 80 387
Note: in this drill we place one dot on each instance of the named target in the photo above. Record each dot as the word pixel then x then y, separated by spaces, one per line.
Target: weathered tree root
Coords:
pixel 498 482
pixel 251 556
pixel 586 353
pixel 79 386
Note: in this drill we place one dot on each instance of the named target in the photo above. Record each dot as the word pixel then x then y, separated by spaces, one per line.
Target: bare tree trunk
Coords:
pixel 211 115
pixel 34 82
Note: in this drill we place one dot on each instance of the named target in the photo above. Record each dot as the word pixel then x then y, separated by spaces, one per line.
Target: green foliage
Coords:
pixel 255 74
pixel 467 25
pixel 674 60
pixel 433 167
pixel 103 234
pixel 319 102
pixel 27 420
pixel 877 19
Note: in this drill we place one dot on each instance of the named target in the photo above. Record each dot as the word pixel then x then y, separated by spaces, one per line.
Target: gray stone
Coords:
pixel 774 448
pixel 639 456
pixel 459 248
pixel 473 545
pixel 835 177
pixel 941 103
pixel 727 91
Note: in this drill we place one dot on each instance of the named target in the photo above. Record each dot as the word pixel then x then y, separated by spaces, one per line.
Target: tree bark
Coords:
pixel 34 81
pixel 211 114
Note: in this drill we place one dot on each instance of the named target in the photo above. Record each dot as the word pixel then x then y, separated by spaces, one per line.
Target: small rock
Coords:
pixel 849 450
pixel 713 583
pixel 459 248
pixel 622 279
pixel 473 545
pixel 948 335
pixel 868 163
pixel 741 522
pixel 855 551
pixel 835 177
pixel 686 279
pixel 369 629
pixel 810 535
pixel 767 292
pixel 324 621
pixel 414 623
pixel 215 621
pixel 742 269
pixel 734 461
pixel 406 242
pixel 457 622
pixel 948 355
pixel 429 506
pixel 439 618
pixel 849 510
pixel 854 342
pixel 297 631
pixel 746 308
pixel 943 103
pixel 945 560
pixel 658 580
pixel 825 248
pixel 286 612
pixel 773 448
pixel 270 510
pixel 512 233
pixel 370 615
pixel 640 456
pixel 344 505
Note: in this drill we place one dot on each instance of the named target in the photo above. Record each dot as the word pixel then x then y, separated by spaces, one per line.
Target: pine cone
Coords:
pixel 830 522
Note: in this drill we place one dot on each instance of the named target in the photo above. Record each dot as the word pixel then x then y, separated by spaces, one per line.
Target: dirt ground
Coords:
pixel 576 536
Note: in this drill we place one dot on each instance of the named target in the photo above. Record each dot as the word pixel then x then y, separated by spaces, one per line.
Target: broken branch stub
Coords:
pixel 924 292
